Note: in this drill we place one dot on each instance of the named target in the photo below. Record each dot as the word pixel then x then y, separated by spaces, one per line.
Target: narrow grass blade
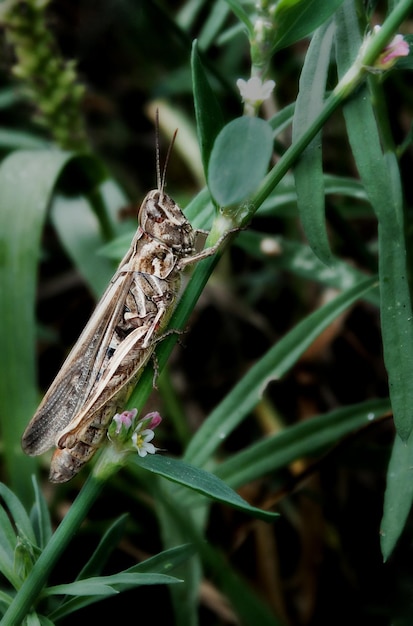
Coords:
pixel 398 496
pixel 308 171
pixel 381 179
pixel 27 180
pixel 201 481
pixel 209 117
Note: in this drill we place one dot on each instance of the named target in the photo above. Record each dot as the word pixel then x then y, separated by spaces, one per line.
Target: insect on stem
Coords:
pixel 107 361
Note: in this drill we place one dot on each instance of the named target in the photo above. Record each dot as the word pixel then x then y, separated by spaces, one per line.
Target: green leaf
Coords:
pixel 5 601
pixel 18 513
pixel 109 585
pixel 201 481
pixel 33 619
pixel 80 234
pixel 80 231
pixel 398 495
pixel 241 14
pixel 40 517
pixel 272 366
pixel 212 25
pixel 13 544
pixel 295 19
pixel 305 439
pixel 209 118
pixel 8 536
pixel 9 96
pixel 93 590
pixel 7 565
pixel 27 180
pixel 308 171
pixel 20 140
pixel 161 563
pixel 239 160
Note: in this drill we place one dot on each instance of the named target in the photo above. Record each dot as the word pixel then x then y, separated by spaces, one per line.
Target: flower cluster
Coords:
pixel 127 432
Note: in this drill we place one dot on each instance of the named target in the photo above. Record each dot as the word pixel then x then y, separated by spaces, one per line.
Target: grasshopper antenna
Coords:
pixel 161 178
pixel 159 183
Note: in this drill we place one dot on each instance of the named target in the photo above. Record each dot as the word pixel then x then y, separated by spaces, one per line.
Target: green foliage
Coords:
pixel 294 19
pixel 209 117
pixel 21 542
pixel 239 160
pixel 282 389
pixel 202 482
pixel 308 172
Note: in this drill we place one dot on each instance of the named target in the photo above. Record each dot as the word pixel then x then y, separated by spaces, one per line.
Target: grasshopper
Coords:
pixel 107 360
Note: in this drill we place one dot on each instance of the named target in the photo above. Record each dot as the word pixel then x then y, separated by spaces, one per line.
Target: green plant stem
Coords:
pixel 346 86
pixel 34 583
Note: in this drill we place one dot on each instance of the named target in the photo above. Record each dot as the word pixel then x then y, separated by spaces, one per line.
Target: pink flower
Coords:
pixel 124 420
pixel 155 419
pixel 397 48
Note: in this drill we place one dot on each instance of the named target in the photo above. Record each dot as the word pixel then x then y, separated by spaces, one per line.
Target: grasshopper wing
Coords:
pixel 81 370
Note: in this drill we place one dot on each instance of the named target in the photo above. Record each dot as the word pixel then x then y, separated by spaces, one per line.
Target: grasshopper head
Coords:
pixel 160 217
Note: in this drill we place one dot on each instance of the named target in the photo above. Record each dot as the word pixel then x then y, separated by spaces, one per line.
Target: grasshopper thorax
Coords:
pixel 161 218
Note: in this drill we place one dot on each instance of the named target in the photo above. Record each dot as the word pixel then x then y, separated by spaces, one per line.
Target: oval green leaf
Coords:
pixel 239 160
